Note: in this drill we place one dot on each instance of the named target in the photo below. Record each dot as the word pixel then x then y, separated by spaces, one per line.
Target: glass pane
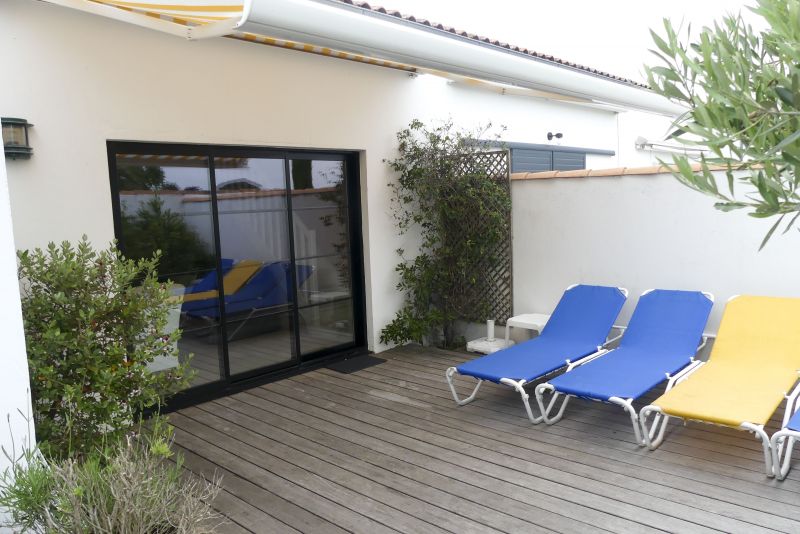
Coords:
pixel 317 183
pixel 202 345
pixel 320 232
pixel 259 341
pixel 322 279
pixel 326 325
pixel 165 204
pixel 253 230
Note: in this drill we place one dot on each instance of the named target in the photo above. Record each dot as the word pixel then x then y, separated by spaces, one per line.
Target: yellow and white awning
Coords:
pixel 201 19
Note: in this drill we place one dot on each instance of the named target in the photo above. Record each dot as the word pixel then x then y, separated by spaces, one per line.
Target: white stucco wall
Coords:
pixel 83 80
pixel 16 430
pixel 641 232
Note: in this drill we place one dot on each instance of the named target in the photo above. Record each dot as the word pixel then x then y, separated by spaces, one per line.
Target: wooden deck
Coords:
pixel 385 449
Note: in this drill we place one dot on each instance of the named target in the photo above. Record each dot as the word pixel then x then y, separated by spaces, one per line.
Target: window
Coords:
pixel 276 230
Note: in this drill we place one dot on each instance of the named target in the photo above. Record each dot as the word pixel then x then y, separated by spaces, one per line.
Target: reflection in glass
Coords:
pixel 245 302
pixel 317 182
pixel 166 205
pixel 321 243
pixel 326 325
pixel 320 280
pixel 253 230
pixel 259 341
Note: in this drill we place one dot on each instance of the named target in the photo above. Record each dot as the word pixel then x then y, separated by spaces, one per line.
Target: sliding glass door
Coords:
pixel 321 245
pixel 261 248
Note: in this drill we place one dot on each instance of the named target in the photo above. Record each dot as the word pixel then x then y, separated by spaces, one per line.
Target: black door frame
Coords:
pixel 298 363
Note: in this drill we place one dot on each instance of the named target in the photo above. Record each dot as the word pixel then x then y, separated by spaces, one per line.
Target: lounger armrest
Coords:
pixel 615 338
pixel 586 359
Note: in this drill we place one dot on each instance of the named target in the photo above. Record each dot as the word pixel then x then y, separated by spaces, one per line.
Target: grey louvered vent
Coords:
pixel 535 160
pixel 568 161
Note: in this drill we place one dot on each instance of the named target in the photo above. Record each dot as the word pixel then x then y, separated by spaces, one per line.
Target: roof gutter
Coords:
pixel 352 29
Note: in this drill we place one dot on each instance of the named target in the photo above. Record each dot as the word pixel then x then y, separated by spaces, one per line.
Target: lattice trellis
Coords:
pixel 493 289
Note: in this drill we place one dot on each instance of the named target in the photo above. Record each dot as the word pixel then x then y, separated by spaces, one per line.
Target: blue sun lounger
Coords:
pixel 659 343
pixel 578 328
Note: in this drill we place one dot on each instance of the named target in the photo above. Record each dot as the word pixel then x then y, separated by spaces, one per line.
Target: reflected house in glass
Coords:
pixel 271 229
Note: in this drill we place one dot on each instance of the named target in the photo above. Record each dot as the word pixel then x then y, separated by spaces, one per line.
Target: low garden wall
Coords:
pixel 641 229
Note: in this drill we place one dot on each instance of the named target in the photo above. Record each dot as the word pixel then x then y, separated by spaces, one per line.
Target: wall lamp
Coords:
pixel 15 138
pixel 551 135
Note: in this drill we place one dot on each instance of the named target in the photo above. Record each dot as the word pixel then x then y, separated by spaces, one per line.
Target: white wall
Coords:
pixel 83 80
pixel 641 232
pixel 16 431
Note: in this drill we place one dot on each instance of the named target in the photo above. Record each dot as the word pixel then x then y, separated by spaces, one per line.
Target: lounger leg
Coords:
pixel 540 392
pixel 461 402
pixel 519 386
pixel 653 436
pixel 758 430
pixel 627 405
pixel 782 445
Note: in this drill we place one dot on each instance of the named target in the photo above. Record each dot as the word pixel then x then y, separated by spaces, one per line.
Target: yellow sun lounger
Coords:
pixel 752 368
pixel 232 282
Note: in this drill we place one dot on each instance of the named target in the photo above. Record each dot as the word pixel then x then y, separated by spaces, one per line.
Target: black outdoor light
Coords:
pixel 551 135
pixel 15 138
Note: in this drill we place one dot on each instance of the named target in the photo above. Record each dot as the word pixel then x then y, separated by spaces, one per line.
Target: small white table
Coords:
pixel 529 321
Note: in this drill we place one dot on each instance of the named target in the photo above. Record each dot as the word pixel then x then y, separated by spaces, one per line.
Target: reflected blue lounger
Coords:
pixel 578 327
pixel 660 343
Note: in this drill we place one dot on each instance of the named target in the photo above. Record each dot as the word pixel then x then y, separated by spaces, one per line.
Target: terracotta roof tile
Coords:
pixel 494 42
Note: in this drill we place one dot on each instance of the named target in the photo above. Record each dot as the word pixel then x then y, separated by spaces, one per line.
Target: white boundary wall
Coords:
pixel 641 232
pixel 83 80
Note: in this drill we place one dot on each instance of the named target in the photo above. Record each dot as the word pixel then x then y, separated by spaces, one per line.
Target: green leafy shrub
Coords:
pixel 741 89
pixel 137 486
pixel 460 217
pixel 93 322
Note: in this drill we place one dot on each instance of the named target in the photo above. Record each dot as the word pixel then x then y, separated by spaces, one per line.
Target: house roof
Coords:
pixel 490 42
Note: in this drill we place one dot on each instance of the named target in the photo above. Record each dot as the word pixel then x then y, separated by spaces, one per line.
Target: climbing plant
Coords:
pixel 449 196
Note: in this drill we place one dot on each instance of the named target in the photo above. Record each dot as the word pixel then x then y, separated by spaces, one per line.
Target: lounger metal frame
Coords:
pixel 626 404
pixel 783 440
pixel 654 435
pixel 519 385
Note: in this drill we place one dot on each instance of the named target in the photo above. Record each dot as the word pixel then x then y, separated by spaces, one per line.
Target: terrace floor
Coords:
pixel 385 449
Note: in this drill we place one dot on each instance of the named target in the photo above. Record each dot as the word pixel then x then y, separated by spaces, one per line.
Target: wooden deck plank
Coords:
pixel 751 480
pixel 439 490
pixel 229 422
pixel 639 505
pixel 673 490
pixel 337 518
pixel 245 502
pixel 597 422
pixel 549 494
pixel 385 449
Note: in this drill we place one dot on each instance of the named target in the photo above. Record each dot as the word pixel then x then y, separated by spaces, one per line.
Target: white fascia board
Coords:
pixel 360 31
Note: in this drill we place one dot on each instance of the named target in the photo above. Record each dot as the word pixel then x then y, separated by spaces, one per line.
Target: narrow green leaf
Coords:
pixel 771 231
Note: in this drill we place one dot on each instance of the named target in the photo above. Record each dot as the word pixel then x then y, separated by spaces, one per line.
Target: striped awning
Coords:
pixel 196 12
pixel 198 19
